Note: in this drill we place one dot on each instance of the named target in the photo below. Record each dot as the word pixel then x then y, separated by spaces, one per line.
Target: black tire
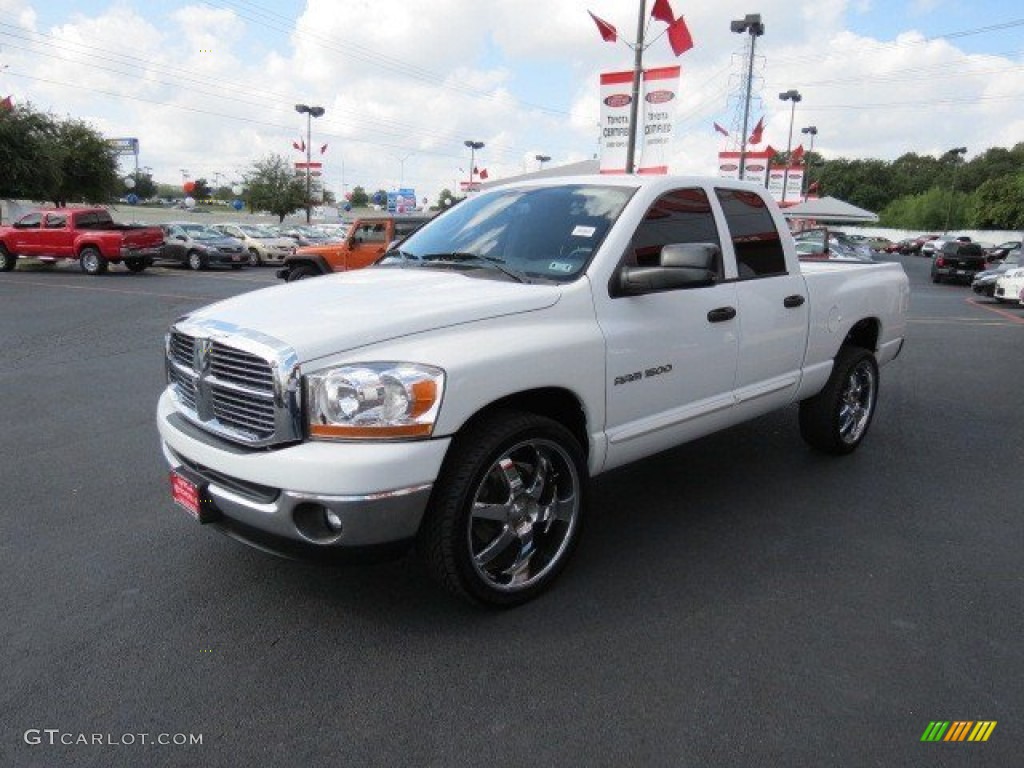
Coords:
pixel 237 266
pixel 7 259
pixel 936 279
pixel 999 300
pixel 837 418
pixel 92 261
pixel 195 260
pixel 301 272
pixel 136 265
pixel 254 258
pixel 507 509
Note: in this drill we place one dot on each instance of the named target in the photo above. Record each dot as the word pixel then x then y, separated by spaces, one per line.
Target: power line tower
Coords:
pixel 737 99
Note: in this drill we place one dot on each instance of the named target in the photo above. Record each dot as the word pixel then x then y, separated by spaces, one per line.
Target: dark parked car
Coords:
pixel 957 261
pixel 198 247
pixel 1002 250
pixel 985 282
pixel 917 242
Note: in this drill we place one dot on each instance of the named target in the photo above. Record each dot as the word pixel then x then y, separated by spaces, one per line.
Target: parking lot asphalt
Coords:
pixel 736 601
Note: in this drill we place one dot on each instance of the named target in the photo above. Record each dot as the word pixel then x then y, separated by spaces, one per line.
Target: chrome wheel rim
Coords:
pixel 254 259
pixel 856 402
pixel 194 261
pixel 91 262
pixel 524 514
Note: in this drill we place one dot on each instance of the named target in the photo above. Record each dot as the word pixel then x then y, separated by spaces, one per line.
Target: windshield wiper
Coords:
pixel 490 262
pixel 405 256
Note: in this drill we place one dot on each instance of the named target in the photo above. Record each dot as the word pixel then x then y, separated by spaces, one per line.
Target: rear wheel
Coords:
pixel 7 259
pixel 506 510
pixel 92 261
pixel 196 261
pixel 254 258
pixel 135 265
pixel 301 272
pixel 837 419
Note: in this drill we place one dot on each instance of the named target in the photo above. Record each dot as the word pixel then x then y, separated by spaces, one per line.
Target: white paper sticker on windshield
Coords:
pixel 560 266
pixel 582 231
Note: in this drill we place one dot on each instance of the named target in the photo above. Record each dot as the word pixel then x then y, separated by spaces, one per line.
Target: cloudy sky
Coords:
pixel 208 87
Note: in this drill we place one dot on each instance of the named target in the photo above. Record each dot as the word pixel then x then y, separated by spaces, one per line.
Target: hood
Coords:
pixel 326 315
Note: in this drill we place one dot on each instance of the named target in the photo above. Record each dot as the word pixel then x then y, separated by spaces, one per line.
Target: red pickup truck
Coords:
pixel 87 234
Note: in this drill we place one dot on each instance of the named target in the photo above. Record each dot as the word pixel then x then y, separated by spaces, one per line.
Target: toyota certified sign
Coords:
pixel 755 167
pixel 729 167
pixel 618 100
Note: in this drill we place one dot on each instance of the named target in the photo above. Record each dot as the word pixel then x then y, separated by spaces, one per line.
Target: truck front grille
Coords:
pixel 246 396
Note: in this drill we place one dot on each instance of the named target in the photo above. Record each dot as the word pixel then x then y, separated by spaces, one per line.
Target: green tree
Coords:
pixel 445 199
pixel 359 198
pixel 144 187
pixel 202 189
pixel 273 186
pixel 999 204
pixel 87 165
pixel 30 165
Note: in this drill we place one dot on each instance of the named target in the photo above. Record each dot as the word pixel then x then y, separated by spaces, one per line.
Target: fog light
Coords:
pixel 332 520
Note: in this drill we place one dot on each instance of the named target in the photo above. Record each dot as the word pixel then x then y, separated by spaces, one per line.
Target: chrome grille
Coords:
pixel 237 387
pixel 240 367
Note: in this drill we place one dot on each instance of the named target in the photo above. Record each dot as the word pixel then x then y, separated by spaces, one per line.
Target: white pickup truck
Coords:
pixel 459 394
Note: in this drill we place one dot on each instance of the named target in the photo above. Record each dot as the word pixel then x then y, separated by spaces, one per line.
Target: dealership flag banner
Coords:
pixel 656 113
pixel 658 109
pixel 615 101
pixel 755 165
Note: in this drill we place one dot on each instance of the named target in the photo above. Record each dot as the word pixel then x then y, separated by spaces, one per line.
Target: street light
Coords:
pixel 310 113
pixel 473 147
pixel 793 96
pixel 813 131
pixel 954 155
pixel 542 159
pixel 750 24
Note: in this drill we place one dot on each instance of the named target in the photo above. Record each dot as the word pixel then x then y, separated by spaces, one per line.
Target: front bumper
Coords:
pixel 277 500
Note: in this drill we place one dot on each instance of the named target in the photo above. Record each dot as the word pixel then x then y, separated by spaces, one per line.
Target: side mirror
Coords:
pixel 681 265
pixel 181 237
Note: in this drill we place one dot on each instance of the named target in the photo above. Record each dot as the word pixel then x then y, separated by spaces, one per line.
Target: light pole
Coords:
pixel 542 159
pixel 793 96
pixel 401 162
pixel 752 24
pixel 310 113
pixel 473 147
pixel 955 155
pixel 812 130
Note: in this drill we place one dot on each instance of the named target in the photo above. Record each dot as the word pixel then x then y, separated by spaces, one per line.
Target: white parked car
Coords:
pixel 1010 285
pixel 262 244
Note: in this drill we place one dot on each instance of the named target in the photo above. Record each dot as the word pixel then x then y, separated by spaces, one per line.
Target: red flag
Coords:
pixel 679 37
pixel 755 137
pixel 7 105
pixel 814 187
pixel 608 32
pixel 299 145
pixel 483 173
pixel 662 11
pixel 721 130
pixel 797 154
pixel 770 150
pixel 323 149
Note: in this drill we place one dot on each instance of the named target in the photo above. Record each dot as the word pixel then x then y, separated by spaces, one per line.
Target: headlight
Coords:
pixel 374 400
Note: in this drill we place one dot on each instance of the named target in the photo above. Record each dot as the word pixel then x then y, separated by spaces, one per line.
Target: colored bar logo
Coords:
pixel 958 730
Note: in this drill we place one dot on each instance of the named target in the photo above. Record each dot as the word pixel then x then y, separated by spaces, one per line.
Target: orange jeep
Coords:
pixel 366 241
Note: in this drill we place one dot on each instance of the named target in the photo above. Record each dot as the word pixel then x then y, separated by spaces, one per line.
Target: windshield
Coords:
pixel 201 232
pixel 252 231
pixel 541 232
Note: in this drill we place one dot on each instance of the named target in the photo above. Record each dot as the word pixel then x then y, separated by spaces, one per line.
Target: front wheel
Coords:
pixel 196 261
pixel 136 265
pixel 301 273
pixel 506 510
pixel 92 261
pixel 7 259
pixel 254 258
pixel 837 418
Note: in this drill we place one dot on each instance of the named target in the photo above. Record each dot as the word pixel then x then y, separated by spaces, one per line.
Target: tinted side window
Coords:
pixel 680 216
pixel 56 221
pixel 31 221
pixel 755 238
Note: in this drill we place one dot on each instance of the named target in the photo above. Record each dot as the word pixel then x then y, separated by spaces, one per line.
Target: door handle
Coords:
pixel 793 301
pixel 721 314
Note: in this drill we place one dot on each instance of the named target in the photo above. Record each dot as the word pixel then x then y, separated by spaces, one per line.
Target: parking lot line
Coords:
pixel 997 310
pixel 110 290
